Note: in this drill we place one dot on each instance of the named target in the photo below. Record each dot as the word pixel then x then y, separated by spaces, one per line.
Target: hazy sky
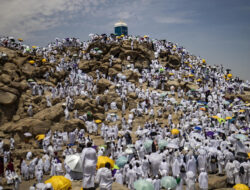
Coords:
pixel 217 30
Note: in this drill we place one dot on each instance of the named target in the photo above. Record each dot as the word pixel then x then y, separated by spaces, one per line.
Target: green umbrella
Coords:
pixel 168 182
pixel 30 80
pixel 162 70
pixel 162 144
pixel 121 161
pixel 142 184
pixel 148 144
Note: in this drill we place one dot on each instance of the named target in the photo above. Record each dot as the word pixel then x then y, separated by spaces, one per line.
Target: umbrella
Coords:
pixel 30 80
pixel 210 133
pixel 74 162
pixel 129 151
pixel 171 74
pixel 31 61
pixel 162 144
pixel 228 118
pixel 242 111
pixel 168 182
pixel 203 109
pixel 40 137
pixel 98 121
pixel 229 75
pixel 34 47
pixel 20 39
pixel 197 128
pixel 148 144
pixel 221 120
pixel 27 134
pixel 240 137
pixel 203 61
pixel 44 60
pixel 162 70
pixel 215 117
pixel 142 184
pixel 59 183
pixel 121 161
pixel 116 167
pixel 241 187
pixel 102 160
pixel 199 80
pixel 175 131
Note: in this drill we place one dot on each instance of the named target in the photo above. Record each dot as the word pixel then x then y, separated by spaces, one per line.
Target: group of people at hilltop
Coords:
pixel 204 132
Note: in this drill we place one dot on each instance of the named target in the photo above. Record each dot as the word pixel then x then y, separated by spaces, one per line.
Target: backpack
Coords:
pixel 183 170
pixel 213 159
pixel 242 171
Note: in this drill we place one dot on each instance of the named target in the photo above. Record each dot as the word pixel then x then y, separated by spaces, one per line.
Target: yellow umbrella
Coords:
pixel 191 75
pixel 83 52
pixel 171 74
pixel 44 60
pixel 203 109
pixel 242 111
pixel 98 121
pixel 145 36
pixel 199 80
pixel 248 155
pixel 33 47
pixel 228 118
pixel 40 137
pixel 60 183
pixel 248 104
pixel 122 35
pixel 175 131
pixel 203 61
pixel 215 117
pixel 20 39
pixel 186 62
pixel 241 187
pixel 102 160
pixel 31 61
pixel 229 75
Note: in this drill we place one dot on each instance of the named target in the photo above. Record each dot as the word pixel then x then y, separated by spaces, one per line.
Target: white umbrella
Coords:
pixel 74 162
pixel 27 134
pixel 129 151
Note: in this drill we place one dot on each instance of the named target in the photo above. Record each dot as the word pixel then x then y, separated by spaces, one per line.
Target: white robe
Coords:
pixel 104 178
pixel 89 160
pixel 203 180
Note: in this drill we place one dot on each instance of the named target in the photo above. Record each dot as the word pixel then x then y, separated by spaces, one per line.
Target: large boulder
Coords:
pixel 32 125
pixel 53 113
pixel 7 98
pixel 216 182
pixel 102 85
pixel 131 76
pixel 72 124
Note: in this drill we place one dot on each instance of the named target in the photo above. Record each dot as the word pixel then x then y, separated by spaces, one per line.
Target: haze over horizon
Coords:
pixel 217 30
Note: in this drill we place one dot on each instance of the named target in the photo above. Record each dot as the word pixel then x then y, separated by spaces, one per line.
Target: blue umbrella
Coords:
pixel 197 128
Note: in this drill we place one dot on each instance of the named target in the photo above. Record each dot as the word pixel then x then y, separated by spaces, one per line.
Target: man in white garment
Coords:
pixel 89 160
pixel 104 177
pixel 203 180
